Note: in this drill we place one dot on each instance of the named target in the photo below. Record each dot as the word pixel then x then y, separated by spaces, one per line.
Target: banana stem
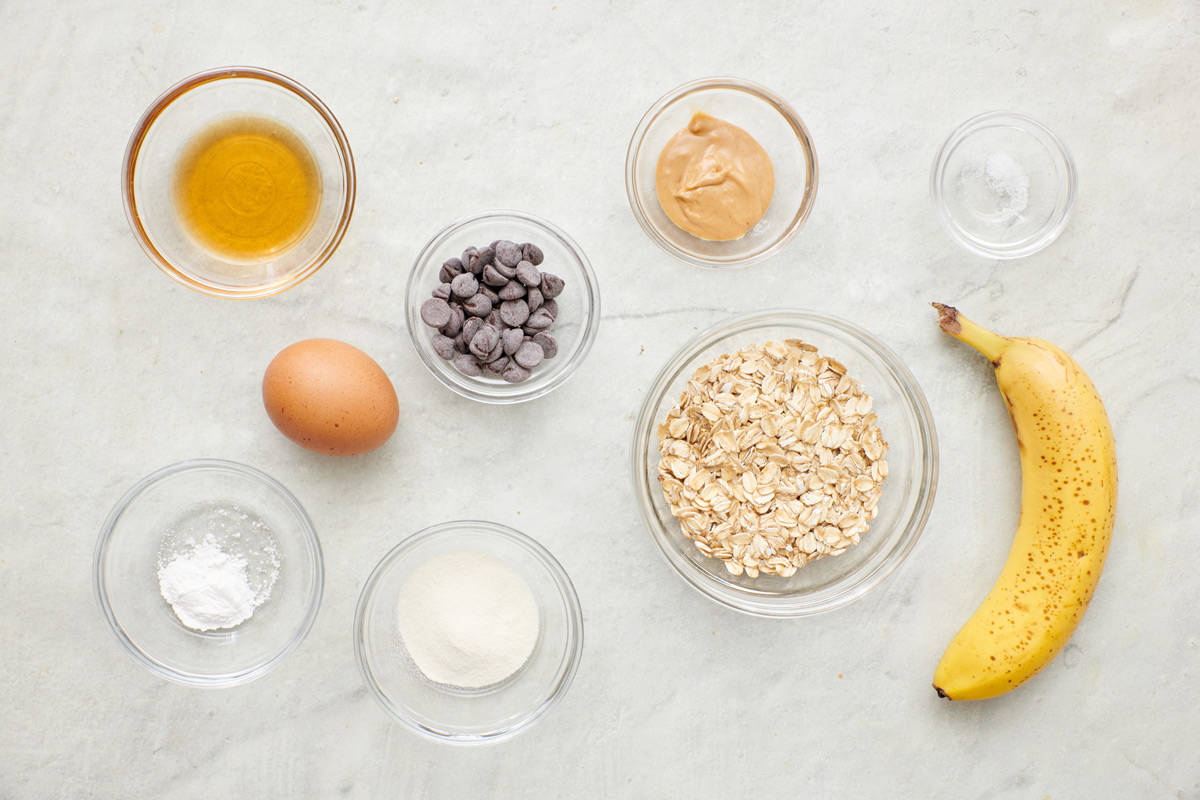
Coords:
pixel 963 329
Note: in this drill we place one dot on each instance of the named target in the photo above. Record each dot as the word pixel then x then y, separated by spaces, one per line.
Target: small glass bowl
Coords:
pixel 578 305
pixel 763 115
pixel 189 108
pixel 1004 185
pixel 904 506
pixel 126 582
pixel 445 712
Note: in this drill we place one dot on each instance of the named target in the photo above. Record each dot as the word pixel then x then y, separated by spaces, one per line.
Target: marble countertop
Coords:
pixel 109 370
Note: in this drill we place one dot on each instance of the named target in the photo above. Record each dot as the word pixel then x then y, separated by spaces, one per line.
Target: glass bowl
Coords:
pixel 459 715
pixel 763 115
pixel 907 496
pixel 182 498
pixel 579 304
pixel 193 106
pixel 1004 185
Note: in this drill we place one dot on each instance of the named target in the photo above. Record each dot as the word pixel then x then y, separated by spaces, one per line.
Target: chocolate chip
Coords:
pixel 470 260
pixel 442 292
pixel 451 268
pixel 552 285
pixel 505 270
pixel 539 320
pixel 467 365
pixel 534 298
pixel 514 373
pixel 487 255
pixel 478 306
pixel 492 276
pixel 512 291
pixel 435 312
pixel 513 339
pixel 551 307
pixel 490 294
pixel 464 285
pixel 532 253
pixel 454 326
pixel 528 274
pixel 529 355
pixel 495 352
pixel 508 253
pixel 460 344
pixel 499 365
pixel 443 346
pixel 514 312
pixel 548 344
pixel 484 341
pixel 471 326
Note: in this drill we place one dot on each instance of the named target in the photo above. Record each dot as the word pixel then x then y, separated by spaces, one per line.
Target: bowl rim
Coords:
pixel 482 392
pixel 158 667
pixel 566 589
pixel 129 168
pixel 633 151
pixel 832 597
pixel 1028 125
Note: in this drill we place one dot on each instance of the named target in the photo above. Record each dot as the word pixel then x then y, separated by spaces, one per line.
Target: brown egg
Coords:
pixel 329 397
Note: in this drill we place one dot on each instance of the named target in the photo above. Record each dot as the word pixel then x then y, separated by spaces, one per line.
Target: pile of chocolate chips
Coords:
pixel 493 310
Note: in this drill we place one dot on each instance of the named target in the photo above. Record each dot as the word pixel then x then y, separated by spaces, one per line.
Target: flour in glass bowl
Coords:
pixel 216 565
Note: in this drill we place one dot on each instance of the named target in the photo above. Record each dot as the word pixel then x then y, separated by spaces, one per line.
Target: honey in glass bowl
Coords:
pixel 247 188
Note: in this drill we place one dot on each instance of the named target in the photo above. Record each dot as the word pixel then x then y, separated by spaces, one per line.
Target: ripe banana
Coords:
pixel 1068 503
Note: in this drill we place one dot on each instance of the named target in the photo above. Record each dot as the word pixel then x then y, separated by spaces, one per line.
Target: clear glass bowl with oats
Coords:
pixel 785 462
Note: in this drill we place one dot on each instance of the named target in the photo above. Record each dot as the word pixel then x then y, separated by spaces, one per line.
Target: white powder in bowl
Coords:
pixel 216 565
pixel 467 619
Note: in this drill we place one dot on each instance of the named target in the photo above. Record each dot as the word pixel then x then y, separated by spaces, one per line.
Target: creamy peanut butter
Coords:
pixel 714 180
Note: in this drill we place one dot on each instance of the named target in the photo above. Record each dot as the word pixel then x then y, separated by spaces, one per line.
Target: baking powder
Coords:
pixel 216 565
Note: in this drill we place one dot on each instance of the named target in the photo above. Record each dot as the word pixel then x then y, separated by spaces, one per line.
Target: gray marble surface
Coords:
pixel 109 370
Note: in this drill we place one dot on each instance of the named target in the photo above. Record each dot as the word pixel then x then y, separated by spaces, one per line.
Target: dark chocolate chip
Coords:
pixel 514 373
pixel 535 299
pixel 454 326
pixel 513 338
pixel 514 312
pixel 471 326
pixel 552 285
pixel 484 341
pixel 529 355
pixel 539 320
pixel 464 285
pixel 548 344
pixel 528 274
pixel 451 268
pixel 492 276
pixel 478 306
pixel 551 307
pixel 467 364
pixel 435 312
pixel 532 253
pixel 442 292
pixel 443 346
pixel 512 291
pixel 508 253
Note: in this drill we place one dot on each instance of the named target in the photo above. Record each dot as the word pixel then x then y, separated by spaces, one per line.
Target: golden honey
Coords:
pixel 247 188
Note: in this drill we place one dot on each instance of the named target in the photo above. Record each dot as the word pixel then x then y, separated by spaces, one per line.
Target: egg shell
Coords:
pixel 330 397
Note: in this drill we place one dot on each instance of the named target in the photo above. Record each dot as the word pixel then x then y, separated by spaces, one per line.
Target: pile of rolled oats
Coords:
pixel 772 458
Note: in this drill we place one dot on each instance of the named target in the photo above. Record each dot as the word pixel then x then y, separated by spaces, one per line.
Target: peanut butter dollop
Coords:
pixel 714 180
